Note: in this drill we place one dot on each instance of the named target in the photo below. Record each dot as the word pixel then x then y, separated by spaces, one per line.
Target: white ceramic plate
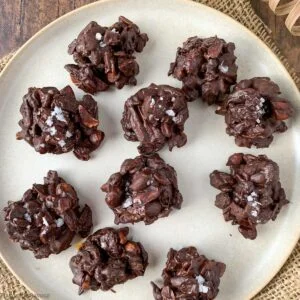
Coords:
pixel 250 264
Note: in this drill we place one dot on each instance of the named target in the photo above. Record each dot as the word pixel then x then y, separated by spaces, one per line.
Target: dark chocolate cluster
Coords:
pixel 189 276
pixel 254 111
pixel 104 56
pixel 155 116
pixel 206 67
pixel 145 189
pixel 55 122
pixel 108 258
pixel 251 194
pixel 47 218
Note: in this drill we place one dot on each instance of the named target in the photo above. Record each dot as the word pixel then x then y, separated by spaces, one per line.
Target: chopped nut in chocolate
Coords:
pixel 145 189
pixel 104 56
pixel 206 67
pixel 251 194
pixel 55 122
pixel 47 218
pixel 155 116
pixel 254 111
pixel 108 258
pixel 189 276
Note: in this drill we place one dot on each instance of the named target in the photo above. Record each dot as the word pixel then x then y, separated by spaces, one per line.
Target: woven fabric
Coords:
pixel 286 284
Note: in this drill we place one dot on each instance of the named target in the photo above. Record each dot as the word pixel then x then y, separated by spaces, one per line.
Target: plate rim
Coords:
pixel 183 2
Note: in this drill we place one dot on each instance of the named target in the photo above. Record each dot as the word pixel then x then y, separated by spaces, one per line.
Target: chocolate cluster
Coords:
pixel 104 56
pixel 189 275
pixel 47 217
pixel 254 111
pixel 251 194
pixel 55 122
pixel 155 116
pixel 145 189
pixel 206 67
pixel 107 258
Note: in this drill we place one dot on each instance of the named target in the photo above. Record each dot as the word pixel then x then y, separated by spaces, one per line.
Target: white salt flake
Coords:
pixel 173 99
pixel 45 222
pixel 114 30
pixel 59 222
pixel 170 112
pixel 52 130
pixel 58 114
pixel 200 279
pixel 159 106
pixel 152 102
pixel 254 213
pixel 49 121
pixel 102 44
pixel 249 198
pixel 161 98
pixel 262 100
pixel 258 121
pixel 61 143
pixel 68 134
pixel 203 289
pixel 253 194
pixel 128 202
pixel 49 204
pixel 98 36
pixel 27 217
pixel 223 68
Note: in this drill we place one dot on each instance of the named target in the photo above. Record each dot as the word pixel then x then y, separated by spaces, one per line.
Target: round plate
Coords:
pixel 250 264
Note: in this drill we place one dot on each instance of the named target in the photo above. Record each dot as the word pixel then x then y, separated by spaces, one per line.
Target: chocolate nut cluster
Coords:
pixel 145 189
pixel 108 258
pixel 189 275
pixel 254 111
pixel 55 122
pixel 206 67
pixel 251 194
pixel 104 56
pixel 47 217
pixel 155 116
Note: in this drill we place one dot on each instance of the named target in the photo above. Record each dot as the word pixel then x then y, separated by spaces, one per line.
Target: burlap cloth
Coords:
pixel 286 284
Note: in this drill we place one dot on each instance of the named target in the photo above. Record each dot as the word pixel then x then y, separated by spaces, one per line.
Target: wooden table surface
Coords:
pixel 20 19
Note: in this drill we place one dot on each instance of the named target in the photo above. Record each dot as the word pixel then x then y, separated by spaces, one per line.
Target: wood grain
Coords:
pixel 20 19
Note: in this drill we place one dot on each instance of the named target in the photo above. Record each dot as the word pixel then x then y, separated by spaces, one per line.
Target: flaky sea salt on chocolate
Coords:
pixel 55 122
pixel 104 55
pixel 107 258
pixel 251 194
pixel 145 189
pixel 47 217
pixel 254 111
pixel 206 67
pixel 189 275
pixel 155 116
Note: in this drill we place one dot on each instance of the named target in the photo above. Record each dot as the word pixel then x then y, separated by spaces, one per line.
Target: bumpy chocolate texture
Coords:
pixel 189 276
pixel 254 111
pixel 104 56
pixel 206 67
pixel 251 194
pixel 47 218
pixel 145 189
pixel 155 116
pixel 55 122
pixel 108 258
